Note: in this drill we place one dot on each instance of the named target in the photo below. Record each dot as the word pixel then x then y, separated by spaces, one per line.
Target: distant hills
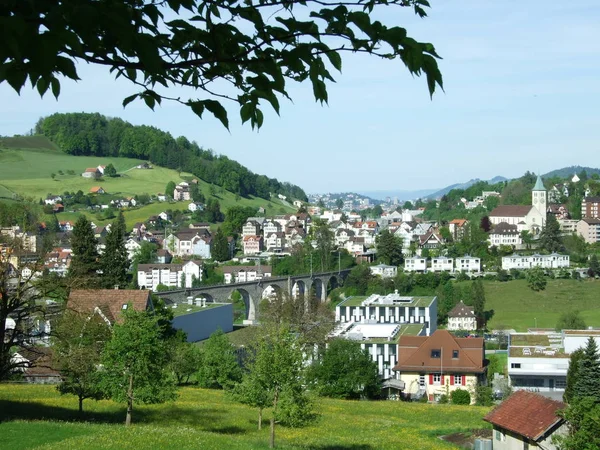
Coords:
pixel 567 172
pixel 444 191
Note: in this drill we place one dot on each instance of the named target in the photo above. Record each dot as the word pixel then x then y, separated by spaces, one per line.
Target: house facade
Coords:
pixel 442 264
pixel 384 271
pixel 589 230
pixel 467 264
pixel 590 208
pixel 526 420
pixel 171 275
pixel 552 261
pixel 434 365
pixel 182 192
pixel 415 264
pixel 243 274
pixel 505 234
pixel 253 244
pixel 462 317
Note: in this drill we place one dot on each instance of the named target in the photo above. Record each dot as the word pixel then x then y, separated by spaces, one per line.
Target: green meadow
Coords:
pixel 516 306
pixel 27 163
pixel 37 417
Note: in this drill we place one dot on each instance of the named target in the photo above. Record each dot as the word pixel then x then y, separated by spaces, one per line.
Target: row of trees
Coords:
pixel 97 135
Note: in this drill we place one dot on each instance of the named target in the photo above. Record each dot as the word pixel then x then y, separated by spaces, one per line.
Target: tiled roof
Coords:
pixel 511 211
pixel 414 354
pixel 109 301
pixel 526 414
pixel 592 200
pixel 461 310
pixel 236 269
pixel 459 222
pixel 505 228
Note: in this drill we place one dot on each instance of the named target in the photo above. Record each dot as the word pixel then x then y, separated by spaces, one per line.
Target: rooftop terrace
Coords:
pixel 392 302
pixel 530 345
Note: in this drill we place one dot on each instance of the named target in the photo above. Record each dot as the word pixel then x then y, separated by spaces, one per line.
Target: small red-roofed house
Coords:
pixel 526 420
pixel 108 303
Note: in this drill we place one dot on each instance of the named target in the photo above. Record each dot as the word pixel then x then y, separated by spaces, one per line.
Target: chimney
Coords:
pixel 116 287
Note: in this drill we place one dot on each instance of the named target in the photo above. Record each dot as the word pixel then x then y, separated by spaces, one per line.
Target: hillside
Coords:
pixel 26 172
pixel 37 416
pixel 568 172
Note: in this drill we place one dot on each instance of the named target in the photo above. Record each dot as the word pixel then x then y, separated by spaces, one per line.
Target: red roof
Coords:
pixel 110 302
pixel 526 414
pixel 511 211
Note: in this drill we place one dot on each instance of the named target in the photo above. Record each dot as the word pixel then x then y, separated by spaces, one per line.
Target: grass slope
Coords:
pixel 26 172
pixel 516 306
pixel 38 417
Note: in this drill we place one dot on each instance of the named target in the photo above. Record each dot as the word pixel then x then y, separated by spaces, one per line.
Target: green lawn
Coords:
pixel 516 306
pixel 27 172
pixel 38 417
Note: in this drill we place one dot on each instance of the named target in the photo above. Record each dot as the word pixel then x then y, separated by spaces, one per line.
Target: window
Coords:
pixel 515 365
pixel 525 445
pixel 455 352
pixel 458 380
pixel 124 307
pixel 436 353
pixel 437 378
pixel 422 380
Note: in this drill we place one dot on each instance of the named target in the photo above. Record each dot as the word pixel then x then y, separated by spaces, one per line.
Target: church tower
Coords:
pixel 539 198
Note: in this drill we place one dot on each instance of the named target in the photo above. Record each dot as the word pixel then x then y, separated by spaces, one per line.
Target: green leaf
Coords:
pixel 55 87
pixel 197 107
pixel 129 99
pixel 335 59
pixel 259 118
pixel 42 86
pixel 218 111
pixel 246 112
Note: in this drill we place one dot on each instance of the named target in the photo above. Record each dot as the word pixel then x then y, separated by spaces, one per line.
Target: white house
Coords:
pixel 243 274
pixel 171 275
pixel 194 206
pixel 189 242
pixel 268 226
pixel 132 245
pixel 274 242
pixel 251 228
pixel 53 200
pixel 462 317
pixel 505 234
pixel 384 271
pixel 442 264
pixel 467 264
pixel 552 261
pixel 182 192
pixel 252 244
pixel 415 264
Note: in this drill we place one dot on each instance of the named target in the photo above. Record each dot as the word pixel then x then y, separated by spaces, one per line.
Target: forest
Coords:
pixel 85 134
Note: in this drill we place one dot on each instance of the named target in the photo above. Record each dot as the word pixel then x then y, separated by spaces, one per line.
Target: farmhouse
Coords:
pixel 97 190
pixel 91 172
pixel 108 303
pixel 526 420
pixel 434 365
pixel 462 317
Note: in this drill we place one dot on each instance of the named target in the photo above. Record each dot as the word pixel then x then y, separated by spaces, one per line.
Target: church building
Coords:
pixel 526 217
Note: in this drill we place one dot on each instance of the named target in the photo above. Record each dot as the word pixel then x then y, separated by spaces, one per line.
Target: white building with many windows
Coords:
pixel 442 264
pixel 552 261
pixel 415 264
pixel 462 317
pixel 170 275
pixel 467 264
pixel 384 271
pixel 243 274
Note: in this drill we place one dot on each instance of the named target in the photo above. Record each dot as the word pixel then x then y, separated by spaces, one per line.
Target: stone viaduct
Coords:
pixel 252 292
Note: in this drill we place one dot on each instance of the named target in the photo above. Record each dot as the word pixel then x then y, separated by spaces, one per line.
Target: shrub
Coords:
pixel 461 397
pixel 483 396
pixel 443 399
pixel 503 275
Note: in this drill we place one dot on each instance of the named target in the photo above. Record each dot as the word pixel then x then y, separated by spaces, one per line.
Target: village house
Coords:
pixel 251 228
pixel 355 245
pixel 163 256
pixel 182 192
pixel 66 225
pixel 462 317
pixel 195 206
pixel 101 169
pixel 505 234
pixel 521 262
pixel 161 197
pixel 415 264
pixel 467 264
pixel 590 208
pixel 252 244
pixel 133 246
pixel 274 242
pixel 97 190
pixel 434 365
pixel 108 303
pixel 269 226
pixel 171 275
pixel 53 199
pixel 384 271
pixel 243 274
pixel 457 228
pixel 91 172
pixel 526 420
pixel 589 230
pixel 342 236
pixel 442 264
pixel 58 207
pixel 189 242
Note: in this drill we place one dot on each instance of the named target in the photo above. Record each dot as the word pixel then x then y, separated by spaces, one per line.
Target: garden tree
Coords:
pixel 572 374
pixel 594 268
pixel 583 422
pixel 211 213
pixel 447 299
pixel 491 202
pixel 321 203
pixel 527 238
pixel 322 238
pixel 170 188
pixel 236 217
pixel 83 270
pixel 146 254
pixel 461 397
pixel 52 225
pixel 407 205
pixel 550 239
pixel 219 368
pixel 205 43
pixel 536 279
pixel 185 362
pixel 77 345
pixel 358 279
pixel 276 374
pixel 220 247
pixel 250 392
pixel 570 320
pixel 110 171
pixel 136 362
pixel 485 224
pixel 339 203
pixel 114 262
pixel 478 302
pixel 344 370
pixel 196 194
pixel 377 211
pixel 588 375
pixel 389 248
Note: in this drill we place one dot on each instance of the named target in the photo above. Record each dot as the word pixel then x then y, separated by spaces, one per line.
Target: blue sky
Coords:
pixel 521 93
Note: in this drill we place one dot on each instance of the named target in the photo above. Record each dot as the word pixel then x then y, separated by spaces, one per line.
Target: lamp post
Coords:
pixel 535 319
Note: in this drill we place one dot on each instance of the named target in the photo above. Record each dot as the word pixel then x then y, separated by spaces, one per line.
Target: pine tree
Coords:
pixel 588 375
pixel 572 374
pixel 389 249
pixel 550 238
pixel 594 268
pixel 84 262
pixel 114 262
pixel 220 247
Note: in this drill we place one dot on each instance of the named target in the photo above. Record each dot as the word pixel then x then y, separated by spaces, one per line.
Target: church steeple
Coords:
pixel 539 197
pixel 539 185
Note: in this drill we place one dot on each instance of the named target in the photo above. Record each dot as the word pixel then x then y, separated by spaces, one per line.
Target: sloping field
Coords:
pixel 37 417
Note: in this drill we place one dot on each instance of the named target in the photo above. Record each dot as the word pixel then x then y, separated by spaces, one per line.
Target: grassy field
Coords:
pixel 38 417
pixel 27 171
pixel 516 306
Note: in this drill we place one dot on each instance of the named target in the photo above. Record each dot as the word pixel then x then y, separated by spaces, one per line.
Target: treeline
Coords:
pixel 96 135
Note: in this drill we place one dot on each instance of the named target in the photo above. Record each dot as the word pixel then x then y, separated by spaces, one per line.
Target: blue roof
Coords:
pixel 539 185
